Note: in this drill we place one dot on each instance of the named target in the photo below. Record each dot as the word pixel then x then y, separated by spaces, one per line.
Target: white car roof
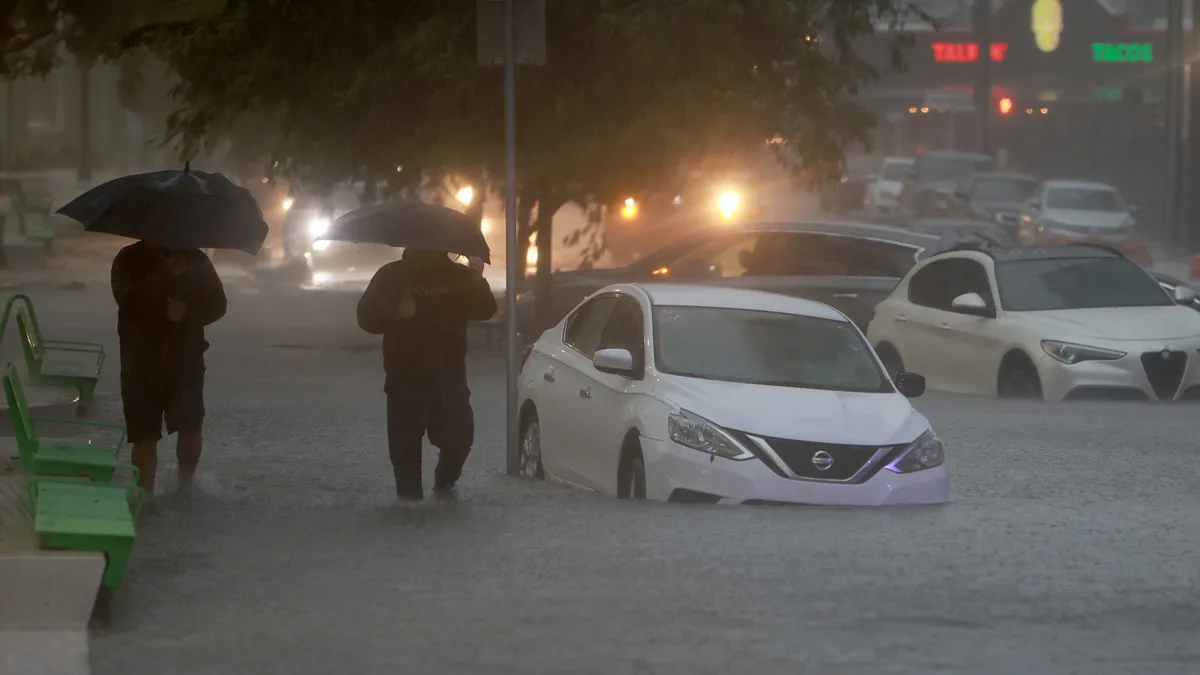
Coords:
pixel 723 297
pixel 1078 184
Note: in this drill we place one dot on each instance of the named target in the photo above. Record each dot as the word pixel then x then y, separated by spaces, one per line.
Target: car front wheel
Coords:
pixel 531 448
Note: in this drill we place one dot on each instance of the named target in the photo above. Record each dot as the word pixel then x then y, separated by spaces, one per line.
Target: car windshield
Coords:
pixel 1076 283
pixel 896 171
pixel 1085 199
pixel 1003 189
pixel 939 169
pixel 769 348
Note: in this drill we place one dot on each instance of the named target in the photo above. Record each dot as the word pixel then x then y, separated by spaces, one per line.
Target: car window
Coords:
pixel 768 348
pixel 626 330
pixel 972 277
pixel 1003 189
pixel 720 258
pixel 896 171
pixel 1084 199
pixel 586 325
pixel 1076 283
pixel 932 285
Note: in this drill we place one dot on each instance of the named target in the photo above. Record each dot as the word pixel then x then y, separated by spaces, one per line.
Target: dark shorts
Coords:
pixel 148 403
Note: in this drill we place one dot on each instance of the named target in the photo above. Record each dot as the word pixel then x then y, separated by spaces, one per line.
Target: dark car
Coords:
pixel 851 266
pixel 995 196
pixel 929 192
pixel 1170 284
pixel 849 195
pixel 988 232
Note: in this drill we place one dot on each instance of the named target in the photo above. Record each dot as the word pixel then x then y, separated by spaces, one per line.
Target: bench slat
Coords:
pixel 71 363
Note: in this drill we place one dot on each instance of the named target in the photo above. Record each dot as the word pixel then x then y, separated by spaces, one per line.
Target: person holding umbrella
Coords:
pixel 421 305
pixel 167 291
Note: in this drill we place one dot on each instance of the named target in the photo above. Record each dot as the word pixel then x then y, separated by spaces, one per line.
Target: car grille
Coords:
pixel 1165 371
pixel 842 464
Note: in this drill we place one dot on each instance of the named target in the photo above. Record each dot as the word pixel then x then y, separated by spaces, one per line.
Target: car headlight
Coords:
pixel 695 432
pixel 319 226
pixel 321 245
pixel 924 453
pixel 1070 353
pixel 728 204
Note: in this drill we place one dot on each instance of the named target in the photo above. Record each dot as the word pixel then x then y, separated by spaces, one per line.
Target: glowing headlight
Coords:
pixel 318 227
pixel 629 209
pixel 728 204
pixel 287 203
pixel 466 195
pixel 321 244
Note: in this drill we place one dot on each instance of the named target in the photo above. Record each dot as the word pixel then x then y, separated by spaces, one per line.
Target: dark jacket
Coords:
pixel 152 345
pixel 430 348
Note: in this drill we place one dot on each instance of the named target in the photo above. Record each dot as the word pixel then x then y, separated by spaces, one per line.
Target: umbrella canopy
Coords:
pixel 176 209
pixel 412 225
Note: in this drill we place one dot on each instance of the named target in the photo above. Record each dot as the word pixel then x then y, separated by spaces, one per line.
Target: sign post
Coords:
pixel 511 31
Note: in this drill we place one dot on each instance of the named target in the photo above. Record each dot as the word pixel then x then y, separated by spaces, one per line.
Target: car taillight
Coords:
pixel 525 355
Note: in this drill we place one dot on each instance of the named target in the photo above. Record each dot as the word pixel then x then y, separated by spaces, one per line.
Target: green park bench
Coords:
pixel 58 363
pixel 70 515
pixel 45 457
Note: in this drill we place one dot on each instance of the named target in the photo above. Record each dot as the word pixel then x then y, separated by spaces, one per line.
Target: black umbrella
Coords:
pixel 413 225
pixel 176 209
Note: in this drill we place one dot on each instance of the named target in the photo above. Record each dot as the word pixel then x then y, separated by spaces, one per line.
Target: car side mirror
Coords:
pixel 614 362
pixel 911 385
pixel 973 304
pixel 1185 295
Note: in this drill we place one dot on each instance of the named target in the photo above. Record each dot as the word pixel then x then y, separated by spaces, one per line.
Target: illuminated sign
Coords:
pixel 1124 52
pixel 965 52
pixel 1047 24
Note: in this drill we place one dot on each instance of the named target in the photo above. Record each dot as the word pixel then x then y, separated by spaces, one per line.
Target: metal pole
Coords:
pixel 510 231
pixel 10 125
pixel 1174 122
pixel 983 87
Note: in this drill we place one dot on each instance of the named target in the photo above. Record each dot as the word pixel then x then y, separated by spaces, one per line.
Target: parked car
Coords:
pixel 987 232
pixel 1070 211
pixel 995 196
pixel 936 174
pixel 883 193
pixel 851 266
pixel 698 394
pixel 1052 322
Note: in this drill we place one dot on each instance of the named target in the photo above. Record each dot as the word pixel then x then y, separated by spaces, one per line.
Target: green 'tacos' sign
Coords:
pixel 1122 52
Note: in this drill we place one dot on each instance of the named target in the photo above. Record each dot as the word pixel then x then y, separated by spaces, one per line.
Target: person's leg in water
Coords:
pixel 185 417
pixel 452 432
pixel 406 414
pixel 143 410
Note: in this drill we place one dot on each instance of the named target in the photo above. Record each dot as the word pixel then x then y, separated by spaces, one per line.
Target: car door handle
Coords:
pixel 901 318
pixel 944 326
pixel 585 393
pixel 548 376
pixel 845 295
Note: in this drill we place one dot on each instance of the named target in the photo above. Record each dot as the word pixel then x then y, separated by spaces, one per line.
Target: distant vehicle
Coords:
pixel 936 175
pixel 1067 209
pixel 849 195
pixel 996 197
pixel 1052 322
pixel 883 194
pixel 851 266
pixel 987 232
pixel 694 394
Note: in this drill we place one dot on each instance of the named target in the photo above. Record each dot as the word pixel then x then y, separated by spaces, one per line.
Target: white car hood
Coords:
pixel 800 414
pixel 1116 323
pixel 1084 218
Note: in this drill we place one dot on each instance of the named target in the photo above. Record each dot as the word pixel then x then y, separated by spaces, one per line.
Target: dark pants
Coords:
pixel 149 400
pixel 442 412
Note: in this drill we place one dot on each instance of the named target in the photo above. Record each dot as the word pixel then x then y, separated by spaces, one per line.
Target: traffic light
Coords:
pixel 1005 106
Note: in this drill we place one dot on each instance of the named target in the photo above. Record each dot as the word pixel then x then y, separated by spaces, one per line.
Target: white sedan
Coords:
pixel 1053 322
pixel 703 394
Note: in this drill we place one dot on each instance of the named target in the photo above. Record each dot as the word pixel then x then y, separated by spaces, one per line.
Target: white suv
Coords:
pixel 1053 322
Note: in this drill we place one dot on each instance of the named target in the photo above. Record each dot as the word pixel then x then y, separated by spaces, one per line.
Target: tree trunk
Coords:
pixel 85 119
pixel 543 225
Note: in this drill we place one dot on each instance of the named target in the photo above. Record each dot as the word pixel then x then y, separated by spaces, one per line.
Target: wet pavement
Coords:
pixel 1071 544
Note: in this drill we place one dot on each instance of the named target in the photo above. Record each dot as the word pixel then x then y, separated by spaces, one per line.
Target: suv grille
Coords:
pixel 1165 372
pixel 823 461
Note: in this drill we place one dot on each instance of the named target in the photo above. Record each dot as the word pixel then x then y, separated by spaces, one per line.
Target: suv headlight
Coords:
pixel 924 453
pixel 695 432
pixel 1070 353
